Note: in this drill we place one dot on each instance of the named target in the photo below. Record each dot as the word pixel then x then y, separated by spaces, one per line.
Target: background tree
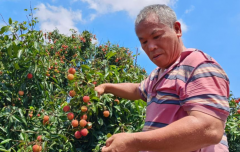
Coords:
pixel 47 96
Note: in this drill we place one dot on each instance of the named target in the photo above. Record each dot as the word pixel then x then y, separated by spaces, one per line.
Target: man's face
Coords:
pixel 160 42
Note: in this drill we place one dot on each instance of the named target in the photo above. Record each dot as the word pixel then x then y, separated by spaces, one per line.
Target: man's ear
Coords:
pixel 177 28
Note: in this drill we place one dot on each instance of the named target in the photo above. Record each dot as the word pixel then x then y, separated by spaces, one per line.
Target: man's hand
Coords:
pixel 123 90
pixel 122 142
pixel 100 89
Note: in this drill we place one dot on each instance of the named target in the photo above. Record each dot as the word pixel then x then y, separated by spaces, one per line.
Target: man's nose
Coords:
pixel 152 46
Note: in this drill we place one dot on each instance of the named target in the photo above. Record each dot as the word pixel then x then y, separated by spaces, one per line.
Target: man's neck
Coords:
pixel 183 48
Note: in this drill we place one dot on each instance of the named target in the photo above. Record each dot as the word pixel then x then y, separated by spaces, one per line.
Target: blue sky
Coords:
pixel 211 26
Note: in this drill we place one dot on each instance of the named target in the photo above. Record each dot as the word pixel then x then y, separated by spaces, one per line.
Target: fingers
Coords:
pixel 108 143
pixel 96 89
pixel 99 93
pixel 104 149
pixel 99 90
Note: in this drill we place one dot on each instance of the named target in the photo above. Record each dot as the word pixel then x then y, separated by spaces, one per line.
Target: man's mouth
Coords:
pixel 156 56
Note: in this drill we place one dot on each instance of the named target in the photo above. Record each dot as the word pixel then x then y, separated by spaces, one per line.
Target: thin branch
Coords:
pixel 21 34
pixel 28 20
pixel 31 14
pixel 3 19
pixel 136 57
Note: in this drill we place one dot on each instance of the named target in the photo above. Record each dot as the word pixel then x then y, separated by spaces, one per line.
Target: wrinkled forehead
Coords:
pixel 151 17
pixel 151 22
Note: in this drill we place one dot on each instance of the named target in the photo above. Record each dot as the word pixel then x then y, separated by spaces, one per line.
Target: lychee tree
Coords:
pixel 47 96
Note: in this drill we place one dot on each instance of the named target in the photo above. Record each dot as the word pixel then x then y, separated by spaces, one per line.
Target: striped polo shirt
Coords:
pixel 194 82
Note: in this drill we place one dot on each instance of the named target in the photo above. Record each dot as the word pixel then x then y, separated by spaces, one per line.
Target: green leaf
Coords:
pixel 85 67
pixel 4 150
pixel 106 75
pixel 35 45
pixel 116 130
pixel 117 107
pixel 11 29
pixel 127 110
pixel 110 54
pixel 16 42
pixel 52 103
pixel 109 135
pixel 35 68
pixel 16 66
pixel 52 144
pixel 22 116
pixel 47 133
pixel 10 21
pixel 22 35
pixel 20 53
pixel 4 29
pixel 25 9
pixel 22 136
pixel 51 86
pixel 14 117
pixel 5 141
pixel 64 137
pixel 117 77
pixel 98 73
pixel 3 129
pixel 44 144
pixel 21 119
pixel 95 98
pixel 100 121
pixel 93 108
pixel 9 49
pixel 54 80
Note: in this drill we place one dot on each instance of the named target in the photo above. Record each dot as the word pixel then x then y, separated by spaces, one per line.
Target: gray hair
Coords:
pixel 164 13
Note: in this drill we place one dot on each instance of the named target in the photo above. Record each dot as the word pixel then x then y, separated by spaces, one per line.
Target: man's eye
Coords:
pixel 144 42
pixel 155 37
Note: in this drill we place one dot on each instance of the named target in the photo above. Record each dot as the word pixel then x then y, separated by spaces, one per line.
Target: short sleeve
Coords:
pixel 207 90
pixel 143 88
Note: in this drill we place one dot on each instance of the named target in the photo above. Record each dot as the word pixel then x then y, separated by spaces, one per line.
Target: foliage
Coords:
pixel 233 125
pixel 48 57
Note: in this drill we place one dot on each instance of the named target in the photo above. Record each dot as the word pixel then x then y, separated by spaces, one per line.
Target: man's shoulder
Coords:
pixel 194 57
pixel 154 73
pixel 201 61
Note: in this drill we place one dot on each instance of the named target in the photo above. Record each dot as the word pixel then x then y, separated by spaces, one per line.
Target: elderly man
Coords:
pixel 187 94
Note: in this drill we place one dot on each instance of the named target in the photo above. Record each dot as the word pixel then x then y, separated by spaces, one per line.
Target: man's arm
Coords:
pixel 123 90
pixel 185 135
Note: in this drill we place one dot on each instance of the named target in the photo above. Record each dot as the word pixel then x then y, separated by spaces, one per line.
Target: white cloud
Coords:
pixel 183 25
pixel 52 17
pixel 131 6
pixel 190 9
pixel 92 16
